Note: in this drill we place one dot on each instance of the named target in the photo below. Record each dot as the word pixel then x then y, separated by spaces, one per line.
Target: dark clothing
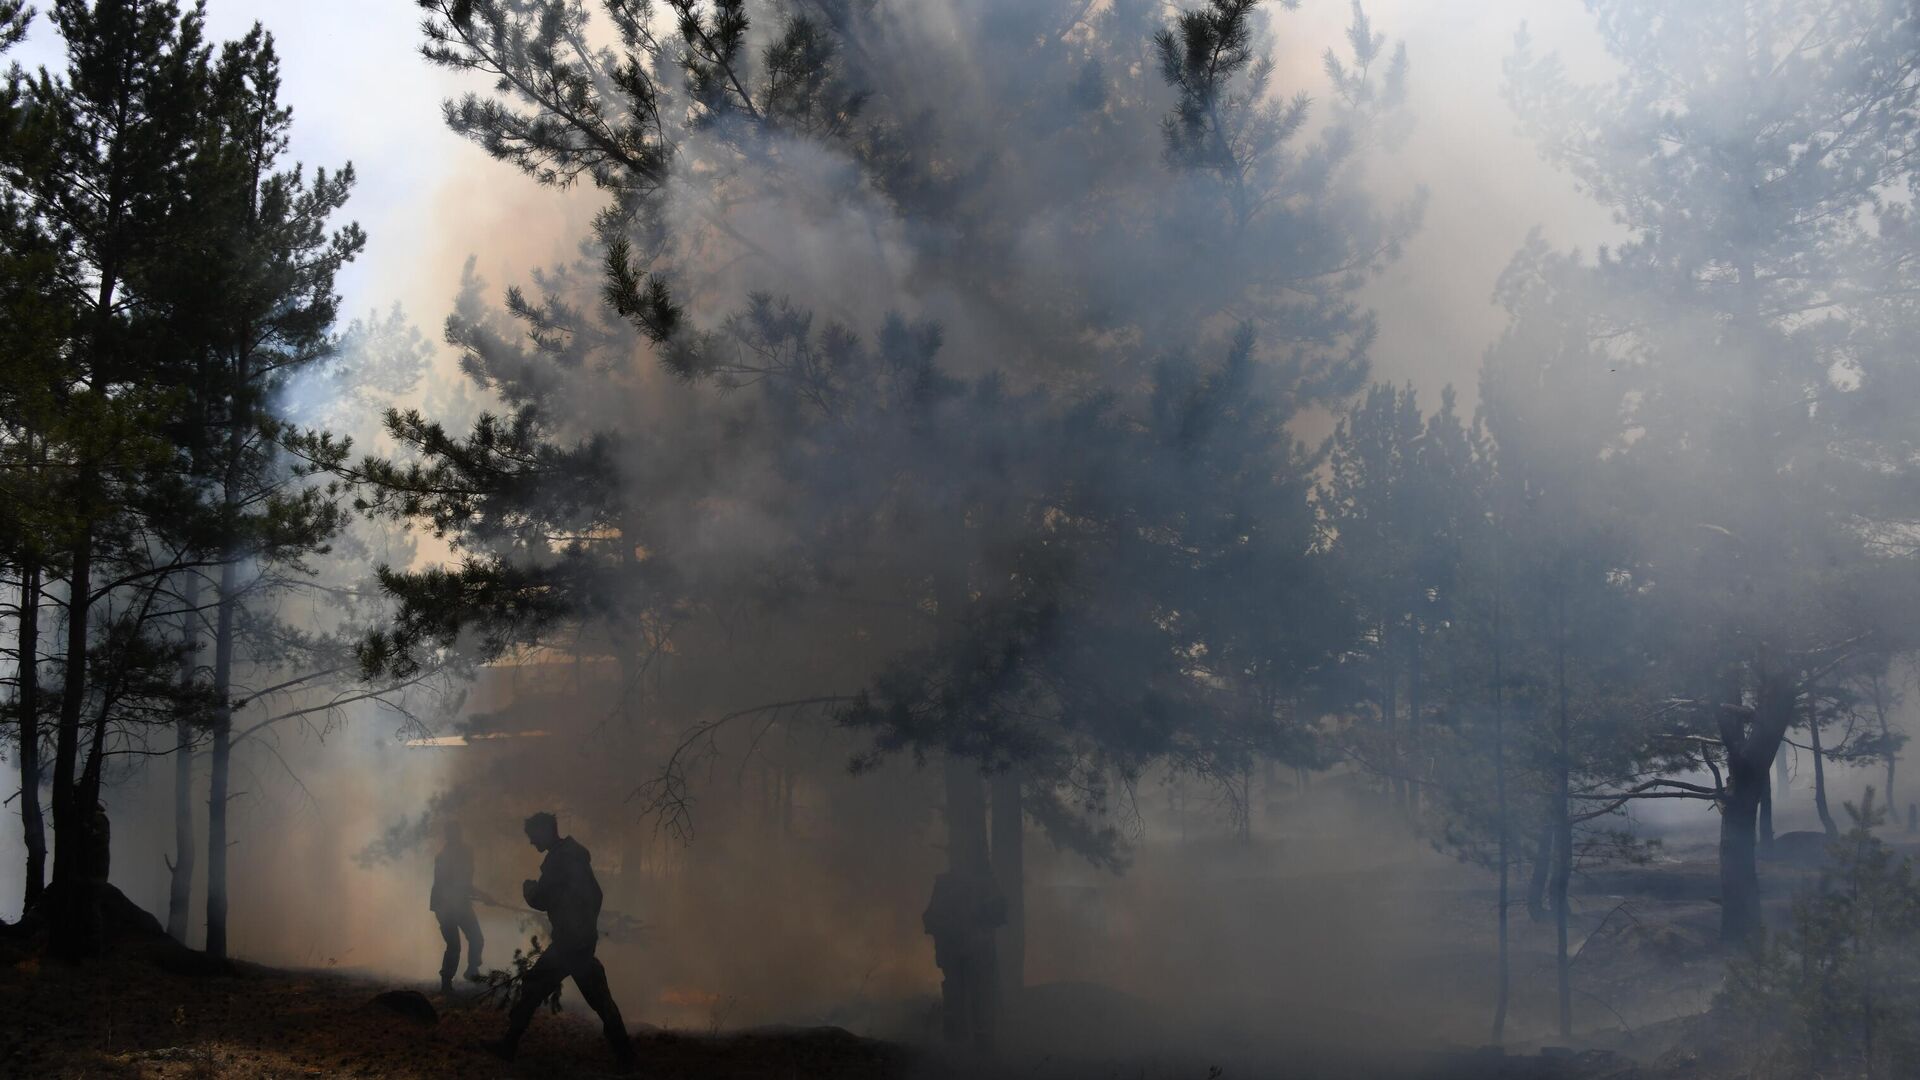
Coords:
pixel 570 895
pixel 452 880
pixel 452 904
pixel 545 976
pixel 451 927
pixel 961 918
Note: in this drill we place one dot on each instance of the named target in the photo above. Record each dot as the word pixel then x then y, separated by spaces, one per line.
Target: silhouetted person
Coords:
pixel 961 918
pixel 452 905
pixel 569 894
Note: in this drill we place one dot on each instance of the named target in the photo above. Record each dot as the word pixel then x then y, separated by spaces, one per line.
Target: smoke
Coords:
pixel 1032 218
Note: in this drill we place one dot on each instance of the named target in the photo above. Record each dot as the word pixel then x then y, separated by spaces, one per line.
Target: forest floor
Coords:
pixel 147 1013
pixel 130 1017
pixel 1645 971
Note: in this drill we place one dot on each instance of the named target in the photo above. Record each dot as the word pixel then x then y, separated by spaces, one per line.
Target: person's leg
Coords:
pixel 470 926
pixel 539 983
pixel 591 979
pixel 450 958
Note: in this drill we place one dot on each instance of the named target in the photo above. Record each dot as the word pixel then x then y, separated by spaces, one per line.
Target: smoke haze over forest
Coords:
pixel 1338 533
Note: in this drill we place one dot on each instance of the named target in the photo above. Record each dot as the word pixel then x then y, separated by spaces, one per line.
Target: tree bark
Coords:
pixel 1414 767
pixel 71 822
pixel 1781 782
pixel 218 763
pixel 1010 875
pixel 1748 753
pixel 1820 773
pixel 1396 782
pixel 1886 736
pixel 1740 920
pixel 1562 832
pixel 1537 883
pixel 180 887
pixel 1504 984
pixel 1766 821
pixel 966 815
pixel 33 824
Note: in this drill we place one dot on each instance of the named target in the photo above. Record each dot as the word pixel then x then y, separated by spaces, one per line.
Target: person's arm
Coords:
pixel 538 894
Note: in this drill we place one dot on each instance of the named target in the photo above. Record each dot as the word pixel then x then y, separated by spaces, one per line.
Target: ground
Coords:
pixel 1336 973
pixel 129 1016
pixel 146 1014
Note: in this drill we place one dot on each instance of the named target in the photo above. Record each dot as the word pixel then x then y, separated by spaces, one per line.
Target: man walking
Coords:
pixel 452 905
pixel 569 894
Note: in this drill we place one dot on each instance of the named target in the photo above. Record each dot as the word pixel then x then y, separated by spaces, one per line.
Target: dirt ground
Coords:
pixel 129 1017
pixel 1341 972
pixel 139 1015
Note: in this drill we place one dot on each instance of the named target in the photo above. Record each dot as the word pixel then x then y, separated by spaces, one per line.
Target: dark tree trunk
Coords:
pixel 1748 753
pixel 1781 782
pixel 1886 736
pixel 1396 784
pixel 1739 874
pixel 1416 762
pixel 180 885
pixel 1537 883
pixel 33 824
pixel 1766 821
pixel 71 821
pixel 966 818
pixel 1500 819
pixel 180 882
pixel 1820 773
pixel 219 762
pixel 1562 833
pixel 1010 875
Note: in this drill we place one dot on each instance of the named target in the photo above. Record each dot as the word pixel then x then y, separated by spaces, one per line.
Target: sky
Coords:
pixel 429 200
pixel 361 94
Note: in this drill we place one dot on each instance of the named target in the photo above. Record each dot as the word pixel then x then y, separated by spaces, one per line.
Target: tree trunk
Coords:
pixel 1537 883
pixel 1739 875
pixel 1748 755
pixel 33 824
pixel 1415 761
pixel 180 887
pixel 1562 833
pixel 218 762
pixel 1820 773
pixel 1500 818
pixel 966 815
pixel 1893 758
pixel 67 930
pixel 1010 874
pixel 1781 782
pixel 1396 781
pixel 1766 821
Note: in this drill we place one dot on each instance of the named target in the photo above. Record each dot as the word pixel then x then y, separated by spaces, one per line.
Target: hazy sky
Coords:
pixel 360 92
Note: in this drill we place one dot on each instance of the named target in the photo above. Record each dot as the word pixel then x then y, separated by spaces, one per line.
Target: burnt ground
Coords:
pixel 131 1017
pixel 1645 974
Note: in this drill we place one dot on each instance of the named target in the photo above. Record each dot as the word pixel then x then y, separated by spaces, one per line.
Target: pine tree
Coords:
pixel 1746 150
pixel 97 160
pixel 256 309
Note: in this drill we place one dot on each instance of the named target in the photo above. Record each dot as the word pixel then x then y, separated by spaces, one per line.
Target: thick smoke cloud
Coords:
pixel 1033 218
